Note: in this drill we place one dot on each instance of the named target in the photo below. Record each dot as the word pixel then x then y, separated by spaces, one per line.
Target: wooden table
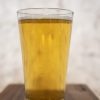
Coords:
pixel 73 92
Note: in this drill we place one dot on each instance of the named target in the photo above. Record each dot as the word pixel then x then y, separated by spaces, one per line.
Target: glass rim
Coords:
pixel 22 11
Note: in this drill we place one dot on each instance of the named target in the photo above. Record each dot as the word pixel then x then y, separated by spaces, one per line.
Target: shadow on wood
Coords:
pixel 73 92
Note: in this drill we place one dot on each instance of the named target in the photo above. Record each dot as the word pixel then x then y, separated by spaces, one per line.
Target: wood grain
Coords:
pixel 73 92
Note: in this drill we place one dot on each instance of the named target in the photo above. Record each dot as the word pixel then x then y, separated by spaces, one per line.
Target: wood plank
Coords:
pixel 73 92
pixel 79 92
pixel 13 92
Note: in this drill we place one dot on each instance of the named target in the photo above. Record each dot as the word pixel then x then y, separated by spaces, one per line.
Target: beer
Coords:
pixel 45 46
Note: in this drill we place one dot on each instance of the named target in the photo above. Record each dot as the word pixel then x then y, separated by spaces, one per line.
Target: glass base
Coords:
pixel 44 99
pixel 44 95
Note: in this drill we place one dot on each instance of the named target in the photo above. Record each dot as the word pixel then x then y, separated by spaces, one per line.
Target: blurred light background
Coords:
pixel 84 61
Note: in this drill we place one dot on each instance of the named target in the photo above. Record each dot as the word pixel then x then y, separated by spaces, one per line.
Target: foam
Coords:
pixel 56 16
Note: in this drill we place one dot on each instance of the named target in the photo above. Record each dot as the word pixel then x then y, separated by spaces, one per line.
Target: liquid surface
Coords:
pixel 45 47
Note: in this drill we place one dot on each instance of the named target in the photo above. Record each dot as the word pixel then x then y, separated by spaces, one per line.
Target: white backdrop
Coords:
pixel 84 61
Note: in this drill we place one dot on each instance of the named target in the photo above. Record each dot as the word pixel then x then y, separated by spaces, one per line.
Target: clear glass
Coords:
pixel 45 39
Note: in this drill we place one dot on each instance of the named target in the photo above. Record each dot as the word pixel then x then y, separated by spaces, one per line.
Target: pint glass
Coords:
pixel 45 38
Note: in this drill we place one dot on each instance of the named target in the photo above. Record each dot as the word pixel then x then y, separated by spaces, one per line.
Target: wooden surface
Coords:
pixel 73 92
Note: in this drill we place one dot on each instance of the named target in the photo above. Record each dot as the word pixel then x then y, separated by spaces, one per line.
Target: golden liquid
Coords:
pixel 45 46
